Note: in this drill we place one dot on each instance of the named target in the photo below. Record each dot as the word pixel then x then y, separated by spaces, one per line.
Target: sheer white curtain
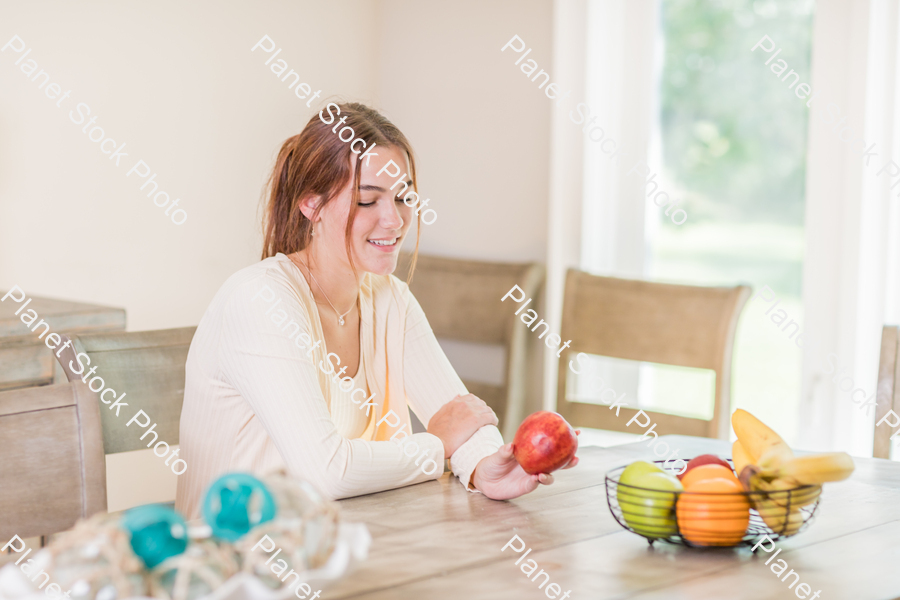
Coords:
pixel 606 49
pixel 620 82
pixel 851 282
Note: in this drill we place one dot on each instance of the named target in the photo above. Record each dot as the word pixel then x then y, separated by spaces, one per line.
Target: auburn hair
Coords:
pixel 316 162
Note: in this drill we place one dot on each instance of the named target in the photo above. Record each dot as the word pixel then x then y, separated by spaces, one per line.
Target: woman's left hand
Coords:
pixel 499 476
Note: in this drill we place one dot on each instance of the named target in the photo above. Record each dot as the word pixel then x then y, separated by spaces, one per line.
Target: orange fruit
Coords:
pixel 713 512
pixel 708 472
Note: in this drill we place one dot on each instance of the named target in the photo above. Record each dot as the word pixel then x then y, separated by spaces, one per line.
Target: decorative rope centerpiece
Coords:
pixel 148 551
pixel 95 560
pixel 306 529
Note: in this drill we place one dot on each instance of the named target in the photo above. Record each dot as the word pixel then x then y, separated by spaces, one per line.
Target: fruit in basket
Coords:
pixel 708 471
pixel 638 467
pixel 778 500
pixel 713 512
pixel 703 459
pixel 788 492
pixel 770 457
pixel 778 518
pixel 812 469
pixel 740 457
pixel 815 469
pixel 646 496
pixel 784 491
pixel 781 484
pixel 759 440
pixel 544 443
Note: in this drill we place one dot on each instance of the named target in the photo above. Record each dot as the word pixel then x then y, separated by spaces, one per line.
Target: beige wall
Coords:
pixel 481 132
pixel 178 84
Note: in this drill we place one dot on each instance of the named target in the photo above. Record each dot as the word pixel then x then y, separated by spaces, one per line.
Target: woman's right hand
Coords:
pixel 455 422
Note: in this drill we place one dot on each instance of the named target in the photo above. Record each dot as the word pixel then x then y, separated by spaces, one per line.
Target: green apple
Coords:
pixel 637 468
pixel 649 511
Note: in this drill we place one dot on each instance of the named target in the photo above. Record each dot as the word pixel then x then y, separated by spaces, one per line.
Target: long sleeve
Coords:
pixel 279 381
pixel 431 382
pixel 257 395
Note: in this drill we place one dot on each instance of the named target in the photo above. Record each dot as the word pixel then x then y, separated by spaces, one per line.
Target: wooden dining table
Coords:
pixel 437 541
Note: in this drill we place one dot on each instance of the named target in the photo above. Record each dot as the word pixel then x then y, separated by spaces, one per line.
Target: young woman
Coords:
pixel 308 360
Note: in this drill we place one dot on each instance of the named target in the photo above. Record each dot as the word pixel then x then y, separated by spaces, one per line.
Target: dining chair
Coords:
pixel 886 396
pixel 681 325
pixel 146 365
pixel 53 470
pixel 461 299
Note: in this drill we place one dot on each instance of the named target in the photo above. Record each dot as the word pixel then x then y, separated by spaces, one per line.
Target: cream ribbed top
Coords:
pixel 350 421
pixel 256 400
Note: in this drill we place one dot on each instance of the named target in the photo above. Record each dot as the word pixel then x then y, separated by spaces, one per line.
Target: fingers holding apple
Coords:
pixel 572 463
pixel 500 477
pixel 544 478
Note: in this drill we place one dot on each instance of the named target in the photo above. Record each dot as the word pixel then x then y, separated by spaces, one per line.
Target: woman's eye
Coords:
pixel 361 203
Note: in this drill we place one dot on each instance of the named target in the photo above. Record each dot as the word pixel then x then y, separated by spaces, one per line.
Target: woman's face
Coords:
pixel 381 222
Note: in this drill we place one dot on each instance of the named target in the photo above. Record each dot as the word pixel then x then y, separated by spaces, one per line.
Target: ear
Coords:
pixel 308 206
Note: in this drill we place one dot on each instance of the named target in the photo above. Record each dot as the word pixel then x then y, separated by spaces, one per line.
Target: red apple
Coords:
pixel 544 443
pixel 704 459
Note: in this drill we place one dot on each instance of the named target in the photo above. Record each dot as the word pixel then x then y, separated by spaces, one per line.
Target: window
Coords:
pixel 728 139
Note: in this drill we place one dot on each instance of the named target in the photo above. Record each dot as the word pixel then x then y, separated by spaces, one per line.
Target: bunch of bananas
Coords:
pixel 766 464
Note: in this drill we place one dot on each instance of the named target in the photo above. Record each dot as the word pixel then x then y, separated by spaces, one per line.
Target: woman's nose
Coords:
pixel 390 216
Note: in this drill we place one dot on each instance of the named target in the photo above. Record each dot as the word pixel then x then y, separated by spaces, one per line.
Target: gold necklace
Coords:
pixel 340 316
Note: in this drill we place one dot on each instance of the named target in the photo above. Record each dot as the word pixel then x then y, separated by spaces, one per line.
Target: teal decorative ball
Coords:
pixel 236 503
pixel 157 533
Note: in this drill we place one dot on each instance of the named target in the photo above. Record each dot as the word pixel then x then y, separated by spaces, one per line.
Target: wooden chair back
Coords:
pixel 681 325
pixel 886 396
pixel 53 470
pixel 148 366
pixel 461 299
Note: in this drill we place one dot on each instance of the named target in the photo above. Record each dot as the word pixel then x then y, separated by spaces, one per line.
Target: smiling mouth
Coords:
pixel 383 243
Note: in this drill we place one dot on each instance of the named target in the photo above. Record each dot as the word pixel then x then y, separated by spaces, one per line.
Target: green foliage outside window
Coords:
pixel 734 136
pixel 733 140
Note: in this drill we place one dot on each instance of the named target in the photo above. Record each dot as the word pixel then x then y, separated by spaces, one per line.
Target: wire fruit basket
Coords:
pixel 704 519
